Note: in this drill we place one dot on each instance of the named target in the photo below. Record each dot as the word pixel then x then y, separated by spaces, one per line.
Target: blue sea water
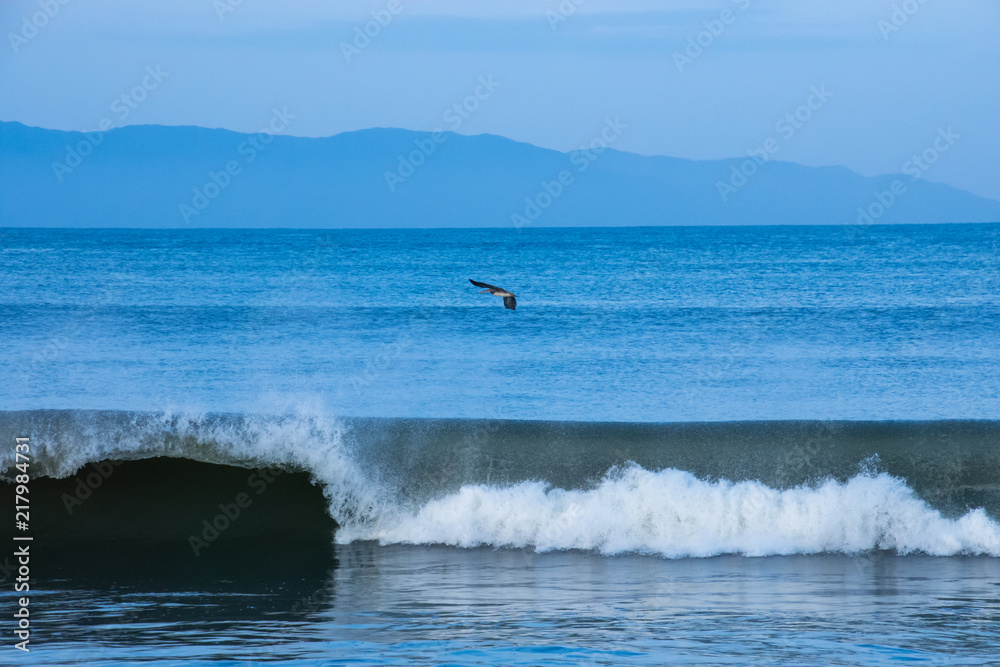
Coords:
pixel 767 445
pixel 630 324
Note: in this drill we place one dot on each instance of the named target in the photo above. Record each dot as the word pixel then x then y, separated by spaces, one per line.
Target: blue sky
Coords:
pixel 896 72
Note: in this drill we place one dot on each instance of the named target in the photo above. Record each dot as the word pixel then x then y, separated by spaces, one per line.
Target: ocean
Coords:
pixel 687 445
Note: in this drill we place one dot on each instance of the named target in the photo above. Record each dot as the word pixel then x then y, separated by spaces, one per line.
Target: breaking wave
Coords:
pixel 675 490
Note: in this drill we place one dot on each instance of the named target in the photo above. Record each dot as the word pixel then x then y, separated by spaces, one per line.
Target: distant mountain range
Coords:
pixel 156 176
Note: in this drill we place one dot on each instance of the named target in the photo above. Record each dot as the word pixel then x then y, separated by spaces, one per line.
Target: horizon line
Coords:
pixel 428 229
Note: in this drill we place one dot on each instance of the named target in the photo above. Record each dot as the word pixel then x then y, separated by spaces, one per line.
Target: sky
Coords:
pixel 867 84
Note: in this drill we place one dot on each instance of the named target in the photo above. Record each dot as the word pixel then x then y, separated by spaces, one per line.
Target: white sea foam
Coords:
pixel 674 514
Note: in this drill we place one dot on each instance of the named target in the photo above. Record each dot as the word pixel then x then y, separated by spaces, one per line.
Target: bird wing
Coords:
pixel 483 285
pixel 510 302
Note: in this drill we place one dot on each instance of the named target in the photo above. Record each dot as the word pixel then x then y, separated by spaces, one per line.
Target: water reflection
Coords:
pixel 440 604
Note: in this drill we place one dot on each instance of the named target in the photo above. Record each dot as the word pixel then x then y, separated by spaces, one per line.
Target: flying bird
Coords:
pixel 508 298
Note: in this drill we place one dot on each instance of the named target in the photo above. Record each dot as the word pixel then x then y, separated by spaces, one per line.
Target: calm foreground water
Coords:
pixel 434 605
pixel 748 446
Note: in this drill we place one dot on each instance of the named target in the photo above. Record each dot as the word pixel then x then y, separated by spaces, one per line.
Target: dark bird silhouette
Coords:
pixel 508 297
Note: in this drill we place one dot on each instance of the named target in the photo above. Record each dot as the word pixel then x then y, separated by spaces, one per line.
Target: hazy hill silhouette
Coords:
pixel 145 176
